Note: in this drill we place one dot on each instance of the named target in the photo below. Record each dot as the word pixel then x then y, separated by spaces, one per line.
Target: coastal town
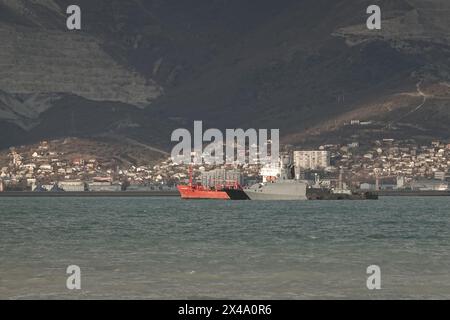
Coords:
pixel 385 164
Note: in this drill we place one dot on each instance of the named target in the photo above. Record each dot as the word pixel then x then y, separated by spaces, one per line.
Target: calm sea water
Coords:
pixel 166 248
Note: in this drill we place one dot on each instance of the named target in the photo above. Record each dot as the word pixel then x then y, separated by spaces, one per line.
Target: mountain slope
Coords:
pixel 304 67
pixel 142 68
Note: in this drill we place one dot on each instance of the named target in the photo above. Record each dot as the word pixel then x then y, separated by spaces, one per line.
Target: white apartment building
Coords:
pixel 312 160
pixel 72 186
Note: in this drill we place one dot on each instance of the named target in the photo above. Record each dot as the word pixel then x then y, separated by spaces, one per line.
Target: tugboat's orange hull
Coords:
pixel 190 192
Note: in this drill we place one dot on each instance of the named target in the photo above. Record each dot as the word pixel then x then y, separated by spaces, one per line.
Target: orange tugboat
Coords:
pixel 197 191
pixel 200 192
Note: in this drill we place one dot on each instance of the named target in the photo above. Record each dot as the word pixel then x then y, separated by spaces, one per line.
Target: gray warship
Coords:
pixel 278 183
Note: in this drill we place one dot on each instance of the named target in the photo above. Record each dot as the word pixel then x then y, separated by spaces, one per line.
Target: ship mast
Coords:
pixel 190 175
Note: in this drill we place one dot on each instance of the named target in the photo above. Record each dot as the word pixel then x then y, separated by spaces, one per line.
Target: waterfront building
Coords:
pixel 140 188
pixel 429 185
pixel 104 187
pixel 367 186
pixel 72 186
pixel 400 182
pixel 439 175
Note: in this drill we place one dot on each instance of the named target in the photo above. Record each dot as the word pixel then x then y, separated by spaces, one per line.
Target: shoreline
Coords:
pixel 413 193
pixel 175 193
pixel 19 194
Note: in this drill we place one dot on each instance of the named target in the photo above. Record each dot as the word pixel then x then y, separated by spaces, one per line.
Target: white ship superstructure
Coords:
pixel 278 183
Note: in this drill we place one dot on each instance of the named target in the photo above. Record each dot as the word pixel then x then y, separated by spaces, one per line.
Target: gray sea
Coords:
pixel 167 248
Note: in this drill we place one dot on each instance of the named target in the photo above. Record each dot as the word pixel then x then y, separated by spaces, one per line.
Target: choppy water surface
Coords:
pixel 167 248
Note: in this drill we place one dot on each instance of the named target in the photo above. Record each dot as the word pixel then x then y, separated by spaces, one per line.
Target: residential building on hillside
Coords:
pixel 312 160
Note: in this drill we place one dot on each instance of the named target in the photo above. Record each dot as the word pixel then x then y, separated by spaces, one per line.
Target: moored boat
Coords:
pixel 198 191
pixel 278 183
pixel 278 190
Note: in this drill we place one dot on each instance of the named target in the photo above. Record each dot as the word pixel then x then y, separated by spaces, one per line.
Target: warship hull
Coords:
pixel 284 190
